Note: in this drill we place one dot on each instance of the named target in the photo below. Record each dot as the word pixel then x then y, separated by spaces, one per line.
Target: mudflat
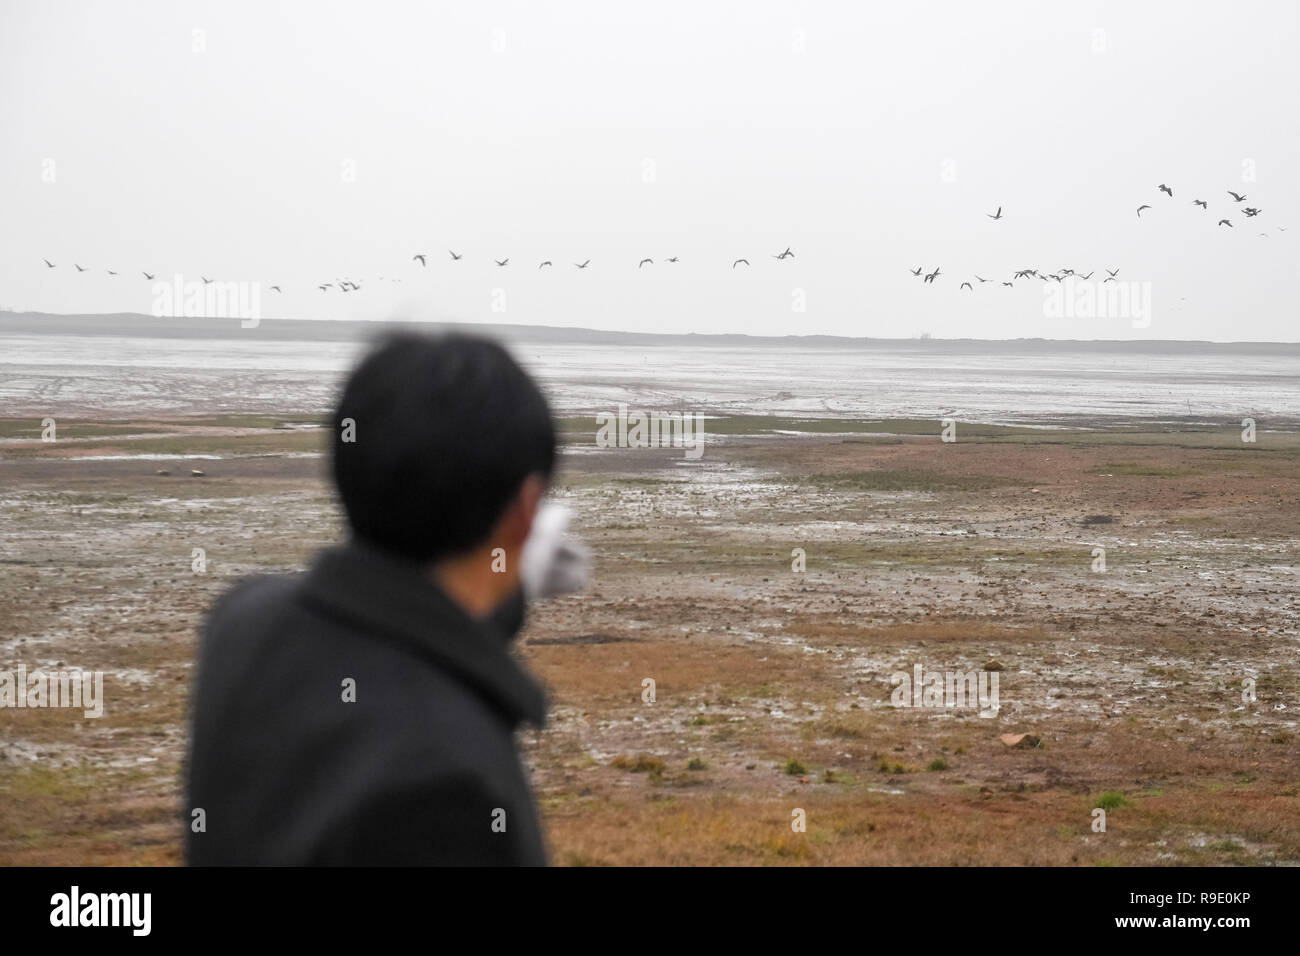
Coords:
pixel 774 591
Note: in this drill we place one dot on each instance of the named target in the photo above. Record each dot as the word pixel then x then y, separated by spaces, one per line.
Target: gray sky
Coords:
pixel 526 130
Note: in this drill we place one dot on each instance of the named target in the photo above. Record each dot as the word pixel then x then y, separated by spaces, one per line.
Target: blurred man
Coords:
pixel 364 712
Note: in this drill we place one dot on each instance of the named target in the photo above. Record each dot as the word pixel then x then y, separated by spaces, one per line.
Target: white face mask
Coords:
pixel 553 562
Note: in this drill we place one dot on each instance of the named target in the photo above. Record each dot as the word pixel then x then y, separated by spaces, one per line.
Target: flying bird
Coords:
pixel 982 280
pixel 424 262
pixel 1109 279
pixel 1224 222
pixel 1008 285
pixel 79 269
pixel 996 215
pixel 738 262
pixel 110 272
pixel 672 259
pixel 1113 272
pixel 1140 208
pixel 454 257
pixel 275 288
pixel 1087 277
pixel 785 255
pixel 502 262
pixel 323 287
pixel 206 280
pixel 1166 189
pixel 967 285
pixel 932 275
pixel 1201 203
pixel 49 263
pixel 1251 211
pixel 582 265
pixel 644 261
pixel 546 263
pixel 1235 196
pixel 146 275
pixel 917 271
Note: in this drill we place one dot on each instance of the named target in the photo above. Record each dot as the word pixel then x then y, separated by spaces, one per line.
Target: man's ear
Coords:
pixel 517 520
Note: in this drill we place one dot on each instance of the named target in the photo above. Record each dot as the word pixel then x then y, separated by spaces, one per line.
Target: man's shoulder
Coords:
pixel 255 595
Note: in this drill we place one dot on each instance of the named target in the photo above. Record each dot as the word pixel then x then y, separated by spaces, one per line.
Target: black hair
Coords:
pixel 443 431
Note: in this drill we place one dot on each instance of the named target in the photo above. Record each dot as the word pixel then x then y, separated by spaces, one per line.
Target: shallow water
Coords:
pixel 1000 382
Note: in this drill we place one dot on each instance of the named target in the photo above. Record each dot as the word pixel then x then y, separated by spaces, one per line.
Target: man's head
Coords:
pixel 452 445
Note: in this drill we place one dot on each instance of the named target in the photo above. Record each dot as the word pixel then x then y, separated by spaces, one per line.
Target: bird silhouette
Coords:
pixel 917 271
pixel 1200 202
pixel 1112 272
pixel 671 259
pixel 110 272
pixel 49 263
pixel 996 215
pixel 454 257
pixel 1235 196
pixel 785 255
pixel 323 287
pixel 644 261
pixel 1087 277
pixel 931 277
pixel 275 288
pixel 1224 222
pixel 502 262
pixel 967 285
pixel 79 269
pixel 206 280
pixel 424 262
pixel 546 263
pixel 1165 189
pixel 1250 211
pixel 1008 285
pixel 738 262
pixel 981 279
pixel 583 265
pixel 1140 208
pixel 1109 279
pixel 146 275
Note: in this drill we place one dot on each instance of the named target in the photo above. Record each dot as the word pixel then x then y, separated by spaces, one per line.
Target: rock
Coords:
pixel 162 471
pixel 1019 741
pixel 994 666
pixel 195 473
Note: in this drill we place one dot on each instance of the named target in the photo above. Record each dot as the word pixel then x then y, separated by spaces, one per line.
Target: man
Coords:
pixel 364 712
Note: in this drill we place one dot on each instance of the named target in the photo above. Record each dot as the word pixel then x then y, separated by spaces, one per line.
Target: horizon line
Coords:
pixel 922 337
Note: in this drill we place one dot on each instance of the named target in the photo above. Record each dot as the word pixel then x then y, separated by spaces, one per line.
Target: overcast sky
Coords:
pixel 303 142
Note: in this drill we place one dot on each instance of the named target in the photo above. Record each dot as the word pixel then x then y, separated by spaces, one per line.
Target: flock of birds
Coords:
pixel 349 285
pixel 1250 212
pixel 1061 275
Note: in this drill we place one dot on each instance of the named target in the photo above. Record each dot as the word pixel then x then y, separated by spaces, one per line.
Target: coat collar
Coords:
pixel 396 599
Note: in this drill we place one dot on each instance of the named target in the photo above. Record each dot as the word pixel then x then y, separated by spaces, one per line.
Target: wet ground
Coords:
pixel 772 684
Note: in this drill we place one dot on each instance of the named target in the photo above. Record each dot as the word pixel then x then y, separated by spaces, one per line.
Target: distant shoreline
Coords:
pixel 323 330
